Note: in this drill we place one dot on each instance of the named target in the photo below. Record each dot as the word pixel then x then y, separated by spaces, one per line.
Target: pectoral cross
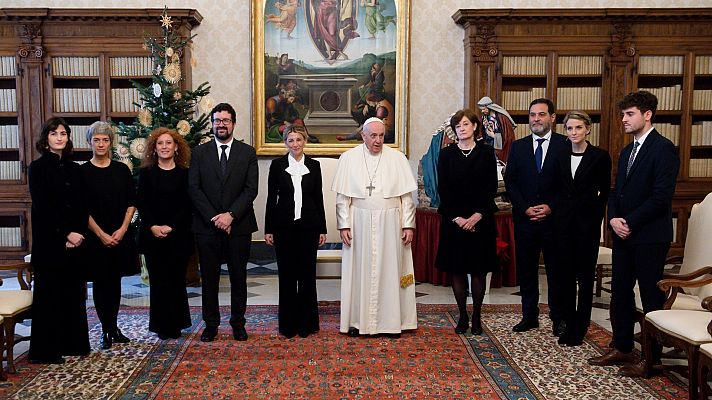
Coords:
pixel 370 188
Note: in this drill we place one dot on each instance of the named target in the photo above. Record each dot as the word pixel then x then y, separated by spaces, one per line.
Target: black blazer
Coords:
pixel 580 201
pixel 213 194
pixel 644 197
pixel 280 197
pixel 525 186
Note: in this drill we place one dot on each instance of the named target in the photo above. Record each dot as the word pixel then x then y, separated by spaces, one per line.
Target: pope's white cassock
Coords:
pixel 372 299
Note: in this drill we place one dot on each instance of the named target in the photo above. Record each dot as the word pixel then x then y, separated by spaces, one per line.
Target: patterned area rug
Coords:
pixel 432 362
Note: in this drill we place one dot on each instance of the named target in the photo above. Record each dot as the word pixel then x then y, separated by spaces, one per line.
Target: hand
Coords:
pixel 407 236
pixel 469 223
pixel 539 212
pixel 74 239
pixel 620 227
pixel 118 235
pixel 345 236
pixel 322 239
pixel 161 231
pixel 69 245
pixel 223 221
pixel 107 240
pixel 269 239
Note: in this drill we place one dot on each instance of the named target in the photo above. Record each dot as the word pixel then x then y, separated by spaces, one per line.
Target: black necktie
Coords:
pixel 223 159
pixel 539 154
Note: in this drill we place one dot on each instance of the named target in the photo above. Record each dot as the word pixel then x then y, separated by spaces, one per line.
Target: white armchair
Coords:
pixel 15 306
pixel 329 261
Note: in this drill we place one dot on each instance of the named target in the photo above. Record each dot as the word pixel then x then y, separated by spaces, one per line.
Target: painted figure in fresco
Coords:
pixel 332 25
pixel 287 18
pixel 375 106
pixel 375 20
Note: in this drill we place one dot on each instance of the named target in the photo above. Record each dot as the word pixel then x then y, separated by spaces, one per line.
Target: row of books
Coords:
pixel 79 136
pixel 75 66
pixel 524 65
pixel 76 100
pixel 9 137
pixel 8 66
pixel 520 99
pixel 10 170
pixel 670 131
pixel 578 98
pixel 131 66
pixel 661 65
pixel 702 100
pixel 700 168
pixel 669 97
pixel 703 65
pixel 580 65
pixel 8 100
pixel 10 236
pixel 122 100
pixel 702 133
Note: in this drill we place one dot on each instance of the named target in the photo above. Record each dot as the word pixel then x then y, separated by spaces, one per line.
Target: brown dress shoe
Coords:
pixel 613 357
pixel 637 370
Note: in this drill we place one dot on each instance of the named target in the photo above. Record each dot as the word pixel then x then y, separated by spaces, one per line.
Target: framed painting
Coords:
pixel 329 65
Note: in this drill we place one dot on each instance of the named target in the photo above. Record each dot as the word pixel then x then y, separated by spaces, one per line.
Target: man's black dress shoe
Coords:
pixel 558 328
pixel 105 342
pixel 119 337
pixel 52 360
pixel 525 324
pixel 353 332
pixel 209 334
pixel 240 334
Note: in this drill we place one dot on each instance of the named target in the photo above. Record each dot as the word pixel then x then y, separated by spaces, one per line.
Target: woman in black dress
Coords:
pixel 111 246
pixel 59 318
pixel 295 224
pixel 584 176
pixel 467 184
pixel 165 238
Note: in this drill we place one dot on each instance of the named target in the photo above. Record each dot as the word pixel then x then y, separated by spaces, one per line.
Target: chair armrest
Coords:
pixel 672 287
pixel 687 277
pixel 707 303
pixel 673 260
pixel 24 273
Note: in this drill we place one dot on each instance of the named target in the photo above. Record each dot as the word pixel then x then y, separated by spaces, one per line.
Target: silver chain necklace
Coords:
pixel 370 186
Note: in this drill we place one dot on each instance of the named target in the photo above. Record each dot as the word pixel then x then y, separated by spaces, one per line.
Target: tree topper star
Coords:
pixel 166 21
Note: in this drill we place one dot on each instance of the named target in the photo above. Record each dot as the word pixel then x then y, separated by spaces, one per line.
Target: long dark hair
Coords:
pixel 50 125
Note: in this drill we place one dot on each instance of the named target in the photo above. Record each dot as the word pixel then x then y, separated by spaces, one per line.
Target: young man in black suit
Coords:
pixel 223 179
pixel 640 215
pixel 530 179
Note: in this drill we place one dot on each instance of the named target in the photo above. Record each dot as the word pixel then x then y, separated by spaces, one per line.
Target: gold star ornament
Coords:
pixel 166 21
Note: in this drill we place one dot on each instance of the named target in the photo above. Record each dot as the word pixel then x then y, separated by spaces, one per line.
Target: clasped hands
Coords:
pixel 114 239
pixel 468 224
pixel 620 227
pixel 406 236
pixel 161 231
pixel 223 221
pixel 538 212
pixel 74 240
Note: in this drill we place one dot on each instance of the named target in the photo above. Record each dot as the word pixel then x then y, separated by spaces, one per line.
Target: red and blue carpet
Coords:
pixel 432 362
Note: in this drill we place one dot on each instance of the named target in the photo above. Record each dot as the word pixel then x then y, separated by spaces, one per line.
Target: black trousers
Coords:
pixel 107 299
pixel 296 260
pixel 577 269
pixel 643 263
pixel 212 250
pixel 532 239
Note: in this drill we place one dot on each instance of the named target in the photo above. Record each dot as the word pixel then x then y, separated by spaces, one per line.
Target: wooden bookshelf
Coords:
pixel 588 59
pixel 71 63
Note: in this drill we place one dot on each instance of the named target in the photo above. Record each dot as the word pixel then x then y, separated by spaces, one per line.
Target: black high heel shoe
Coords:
pixel 462 324
pixel 476 325
pixel 105 342
pixel 119 337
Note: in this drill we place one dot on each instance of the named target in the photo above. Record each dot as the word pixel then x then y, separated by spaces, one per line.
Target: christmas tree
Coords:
pixel 163 102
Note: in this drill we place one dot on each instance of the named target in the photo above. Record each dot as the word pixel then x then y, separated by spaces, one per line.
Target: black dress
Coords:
pixel 109 192
pixel 163 200
pixel 59 319
pixel 467 184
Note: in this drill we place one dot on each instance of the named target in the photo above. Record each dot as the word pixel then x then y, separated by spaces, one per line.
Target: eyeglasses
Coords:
pixel 218 121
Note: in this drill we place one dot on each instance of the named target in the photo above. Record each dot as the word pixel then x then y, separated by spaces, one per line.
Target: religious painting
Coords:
pixel 329 65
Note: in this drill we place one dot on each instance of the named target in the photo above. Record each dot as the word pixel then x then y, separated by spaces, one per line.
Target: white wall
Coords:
pixel 222 51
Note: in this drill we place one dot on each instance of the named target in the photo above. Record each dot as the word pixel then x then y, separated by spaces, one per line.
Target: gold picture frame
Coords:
pixel 329 65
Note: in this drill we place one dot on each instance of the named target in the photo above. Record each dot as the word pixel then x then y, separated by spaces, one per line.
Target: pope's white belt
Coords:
pixel 376 203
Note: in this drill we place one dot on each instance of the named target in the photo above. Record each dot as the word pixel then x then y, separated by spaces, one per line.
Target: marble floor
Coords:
pixel 262 290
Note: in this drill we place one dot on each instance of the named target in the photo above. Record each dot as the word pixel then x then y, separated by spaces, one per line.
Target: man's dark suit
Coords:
pixel 213 194
pixel 526 188
pixel 578 210
pixel 644 200
pixel 296 243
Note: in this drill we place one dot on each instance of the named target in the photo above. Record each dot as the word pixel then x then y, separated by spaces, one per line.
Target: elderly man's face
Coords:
pixel 373 135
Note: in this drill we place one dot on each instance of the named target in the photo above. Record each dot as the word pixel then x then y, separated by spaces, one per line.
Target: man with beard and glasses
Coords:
pixel 530 179
pixel 640 215
pixel 223 179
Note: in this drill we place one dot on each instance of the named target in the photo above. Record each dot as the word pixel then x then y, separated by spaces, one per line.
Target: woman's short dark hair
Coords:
pixel 50 125
pixel 465 112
